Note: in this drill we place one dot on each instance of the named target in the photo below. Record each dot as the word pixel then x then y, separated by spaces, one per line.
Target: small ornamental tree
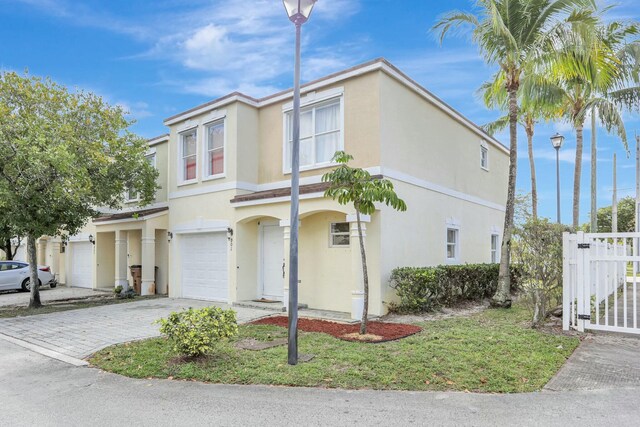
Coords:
pixel 62 155
pixel 357 186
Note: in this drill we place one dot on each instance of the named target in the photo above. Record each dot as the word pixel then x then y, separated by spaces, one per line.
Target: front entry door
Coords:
pixel 272 258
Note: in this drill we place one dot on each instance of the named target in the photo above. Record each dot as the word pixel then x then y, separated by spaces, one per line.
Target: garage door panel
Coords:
pixel 81 273
pixel 204 266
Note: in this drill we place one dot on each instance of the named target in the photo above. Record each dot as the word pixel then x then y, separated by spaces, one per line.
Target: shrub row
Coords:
pixel 422 289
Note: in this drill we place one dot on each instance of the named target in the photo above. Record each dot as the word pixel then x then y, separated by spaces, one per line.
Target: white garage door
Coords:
pixel 81 274
pixel 204 266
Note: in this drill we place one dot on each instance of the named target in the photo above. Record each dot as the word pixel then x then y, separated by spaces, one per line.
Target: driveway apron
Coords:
pixel 80 333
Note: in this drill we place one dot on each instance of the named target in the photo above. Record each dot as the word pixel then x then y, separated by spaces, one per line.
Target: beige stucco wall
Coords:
pixel 420 140
pixel 417 237
pixel 361 130
pixel 105 259
pixel 325 272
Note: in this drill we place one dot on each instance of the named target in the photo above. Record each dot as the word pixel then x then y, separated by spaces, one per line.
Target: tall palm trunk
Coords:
pixel 576 177
pixel 594 159
pixel 34 302
pixel 532 165
pixel 365 278
pixel 502 297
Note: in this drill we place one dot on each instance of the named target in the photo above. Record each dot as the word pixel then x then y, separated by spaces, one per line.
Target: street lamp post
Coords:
pixel 556 141
pixel 298 12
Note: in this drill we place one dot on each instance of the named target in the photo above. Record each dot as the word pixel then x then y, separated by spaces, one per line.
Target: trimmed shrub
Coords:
pixel 422 289
pixel 195 332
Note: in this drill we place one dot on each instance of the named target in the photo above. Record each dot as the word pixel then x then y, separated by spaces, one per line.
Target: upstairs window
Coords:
pixel 215 150
pixel 321 136
pixel 188 155
pixel 339 234
pixel 484 156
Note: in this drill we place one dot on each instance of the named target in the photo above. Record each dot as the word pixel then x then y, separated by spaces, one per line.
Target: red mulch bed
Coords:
pixel 384 331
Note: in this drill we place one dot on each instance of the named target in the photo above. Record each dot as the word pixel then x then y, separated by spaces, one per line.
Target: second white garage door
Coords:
pixel 81 274
pixel 204 266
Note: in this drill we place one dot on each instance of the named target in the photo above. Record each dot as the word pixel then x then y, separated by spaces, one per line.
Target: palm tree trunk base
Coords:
pixel 500 303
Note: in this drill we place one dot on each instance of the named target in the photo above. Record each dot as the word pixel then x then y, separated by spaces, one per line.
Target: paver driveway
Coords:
pixel 80 333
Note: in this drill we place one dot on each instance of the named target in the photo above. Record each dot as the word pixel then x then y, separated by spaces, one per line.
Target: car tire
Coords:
pixel 53 285
pixel 26 287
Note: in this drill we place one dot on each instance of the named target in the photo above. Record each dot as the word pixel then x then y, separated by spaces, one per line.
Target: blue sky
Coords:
pixel 160 57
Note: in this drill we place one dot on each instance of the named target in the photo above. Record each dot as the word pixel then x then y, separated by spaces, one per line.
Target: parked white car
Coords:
pixel 15 275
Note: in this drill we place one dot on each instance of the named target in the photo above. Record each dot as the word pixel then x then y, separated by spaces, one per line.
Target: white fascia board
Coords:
pixel 214 106
pixel 158 140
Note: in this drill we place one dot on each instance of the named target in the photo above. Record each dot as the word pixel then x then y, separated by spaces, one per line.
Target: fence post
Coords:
pixel 566 282
pixel 580 281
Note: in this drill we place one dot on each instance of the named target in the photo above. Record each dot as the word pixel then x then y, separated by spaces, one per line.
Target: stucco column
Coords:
pixel 42 251
pixel 148 286
pixel 54 263
pixel 121 260
pixel 286 230
pixel 357 293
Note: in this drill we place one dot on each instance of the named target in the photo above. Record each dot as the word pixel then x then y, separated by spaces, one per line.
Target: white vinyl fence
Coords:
pixel 600 281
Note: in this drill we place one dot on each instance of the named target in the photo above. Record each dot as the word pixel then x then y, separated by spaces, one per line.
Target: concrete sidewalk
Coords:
pixel 602 361
pixel 80 333
pixel 38 391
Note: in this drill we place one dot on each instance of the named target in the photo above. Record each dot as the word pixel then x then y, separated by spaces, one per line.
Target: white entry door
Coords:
pixel 272 262
pixel 204 266
pixel 81 264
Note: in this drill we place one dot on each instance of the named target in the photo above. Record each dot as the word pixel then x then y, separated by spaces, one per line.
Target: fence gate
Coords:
pixel 600 281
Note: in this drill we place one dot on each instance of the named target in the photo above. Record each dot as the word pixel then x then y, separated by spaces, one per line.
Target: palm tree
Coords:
pixel 511 34
pixel 594 71
pixel 535 106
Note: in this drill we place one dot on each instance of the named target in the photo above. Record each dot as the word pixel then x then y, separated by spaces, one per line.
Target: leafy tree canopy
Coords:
pixel 63 155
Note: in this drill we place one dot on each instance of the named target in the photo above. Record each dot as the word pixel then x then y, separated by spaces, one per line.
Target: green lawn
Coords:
pixel 493 351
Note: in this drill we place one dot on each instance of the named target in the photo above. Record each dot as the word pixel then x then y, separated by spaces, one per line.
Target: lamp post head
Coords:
pixel 299 10
pixel 557 140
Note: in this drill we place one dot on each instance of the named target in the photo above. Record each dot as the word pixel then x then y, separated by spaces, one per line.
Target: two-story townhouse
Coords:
pixel 101 254
pixel 229 188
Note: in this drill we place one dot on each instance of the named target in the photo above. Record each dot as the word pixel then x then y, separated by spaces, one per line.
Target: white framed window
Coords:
pixel 188 154
pixel 151 159
pixel 453 245
pixel 484 156
pixel 321 134
pixel 495 248
pixel 214 146
pixel 339 235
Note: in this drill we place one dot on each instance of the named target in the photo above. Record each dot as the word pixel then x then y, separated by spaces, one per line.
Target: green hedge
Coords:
pixel 423 289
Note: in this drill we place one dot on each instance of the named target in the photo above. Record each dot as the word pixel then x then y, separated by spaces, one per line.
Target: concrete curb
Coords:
pixel 45 351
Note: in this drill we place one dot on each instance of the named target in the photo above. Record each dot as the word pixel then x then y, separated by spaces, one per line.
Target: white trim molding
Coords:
pixel 201 225
pixel 353 218
pixel 215 188
pixel 393 174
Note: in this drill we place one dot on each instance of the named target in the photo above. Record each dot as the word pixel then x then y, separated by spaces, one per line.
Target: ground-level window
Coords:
pixel 452 244
pixel 339 234
pixel 495 254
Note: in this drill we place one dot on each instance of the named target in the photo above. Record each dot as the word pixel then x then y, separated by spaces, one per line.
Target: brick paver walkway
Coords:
pixel 80 333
